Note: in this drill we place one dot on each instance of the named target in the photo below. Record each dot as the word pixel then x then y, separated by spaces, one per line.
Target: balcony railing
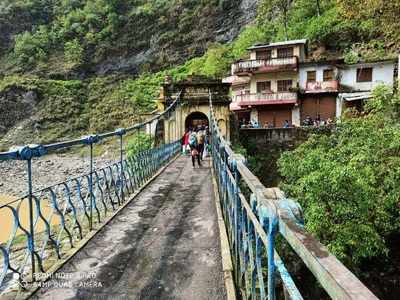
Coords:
pixel 266 98
pixel 322 86
pixel 265 65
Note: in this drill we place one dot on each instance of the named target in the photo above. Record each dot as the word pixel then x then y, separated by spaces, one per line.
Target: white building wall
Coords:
pixel 298 50
pixel 319 73
pixel 382 73
pixel 254 114
pixel 273 77
pixel 296 115
pixel 339 107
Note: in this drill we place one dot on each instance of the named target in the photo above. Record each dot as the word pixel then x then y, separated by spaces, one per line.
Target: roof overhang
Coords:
pixel 236 80
pixel 234 107
pixel 356 96
pixel 279 44
pixel 267 102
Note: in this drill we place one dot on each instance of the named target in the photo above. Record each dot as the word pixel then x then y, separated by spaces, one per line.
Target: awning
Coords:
pixel 356 96
pixel 236 80
pixel 234 106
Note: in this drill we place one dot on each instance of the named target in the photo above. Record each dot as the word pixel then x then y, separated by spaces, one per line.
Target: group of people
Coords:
pixel 255 124
pixel 195 143
pixel 308 121
pixel 317 122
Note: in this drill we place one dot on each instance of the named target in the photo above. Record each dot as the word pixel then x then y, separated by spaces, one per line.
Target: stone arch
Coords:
pixel 196 118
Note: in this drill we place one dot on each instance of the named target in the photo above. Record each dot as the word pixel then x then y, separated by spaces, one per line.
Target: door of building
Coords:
pixel 275 117
pixel 322 106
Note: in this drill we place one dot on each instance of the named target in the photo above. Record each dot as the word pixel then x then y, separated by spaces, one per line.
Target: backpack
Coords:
pixel 200 138
pixel 193 140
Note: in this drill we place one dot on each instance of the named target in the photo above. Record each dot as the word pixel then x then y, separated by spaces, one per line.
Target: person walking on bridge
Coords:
pixel 200 143
pixel 194 150
pixel 185 142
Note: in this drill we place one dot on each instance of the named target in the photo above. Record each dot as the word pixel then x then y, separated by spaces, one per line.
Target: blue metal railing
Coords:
pixel 47 223
pixel 254 216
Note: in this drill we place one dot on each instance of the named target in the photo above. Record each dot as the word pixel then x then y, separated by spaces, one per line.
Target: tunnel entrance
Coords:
pixel 196 119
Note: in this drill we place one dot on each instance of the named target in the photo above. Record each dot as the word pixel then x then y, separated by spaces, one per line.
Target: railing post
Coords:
pixel 31 242
pixel 121 132
pixel 90 140
pixel 27 153
pixel 236 218
pixel 91 187
pixel 272 229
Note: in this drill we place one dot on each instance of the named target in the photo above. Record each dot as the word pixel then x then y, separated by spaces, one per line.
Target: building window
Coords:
pixel 263 86
pixel 285 52
pixel 328 75
pixel 284 85
pixel 364 75
pixel 311 76
pixel 264 54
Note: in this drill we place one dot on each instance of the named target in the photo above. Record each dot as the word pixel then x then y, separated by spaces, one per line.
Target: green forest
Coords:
pixel 50 45
pixel 348 181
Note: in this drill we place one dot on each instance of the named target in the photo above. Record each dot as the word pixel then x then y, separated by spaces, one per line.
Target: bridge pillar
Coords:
pixel 195 99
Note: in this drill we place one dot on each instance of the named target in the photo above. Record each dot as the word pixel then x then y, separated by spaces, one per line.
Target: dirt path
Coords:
pixel 164 245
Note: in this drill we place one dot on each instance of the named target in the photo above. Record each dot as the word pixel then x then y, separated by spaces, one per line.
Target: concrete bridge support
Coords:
pixel 176 126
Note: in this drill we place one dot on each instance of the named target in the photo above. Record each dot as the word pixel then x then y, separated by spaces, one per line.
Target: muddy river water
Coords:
pixel 7 219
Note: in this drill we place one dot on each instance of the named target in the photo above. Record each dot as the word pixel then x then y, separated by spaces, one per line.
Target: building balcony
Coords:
pixel 265 99
pixel 265 65
pixel 322 86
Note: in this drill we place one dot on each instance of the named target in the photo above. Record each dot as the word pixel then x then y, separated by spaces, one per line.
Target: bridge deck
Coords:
pixel 163 245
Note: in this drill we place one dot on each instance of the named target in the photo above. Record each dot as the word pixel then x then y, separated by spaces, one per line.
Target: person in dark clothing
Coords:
pixel 200 143
pixel 194 151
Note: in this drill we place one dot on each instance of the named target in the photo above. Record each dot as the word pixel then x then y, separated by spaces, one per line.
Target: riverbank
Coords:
pixel 46 171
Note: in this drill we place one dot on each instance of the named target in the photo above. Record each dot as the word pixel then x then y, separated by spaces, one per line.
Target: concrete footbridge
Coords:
pixel 150 226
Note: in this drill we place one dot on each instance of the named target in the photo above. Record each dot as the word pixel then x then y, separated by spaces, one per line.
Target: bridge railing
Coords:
pixel 254 216
pixel 49 222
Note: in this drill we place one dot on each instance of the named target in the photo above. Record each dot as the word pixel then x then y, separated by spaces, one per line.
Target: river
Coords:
pixel 7 219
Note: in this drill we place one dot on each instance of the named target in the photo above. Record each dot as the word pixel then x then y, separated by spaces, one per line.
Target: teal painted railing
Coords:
pixel 254 216
pixel 47 223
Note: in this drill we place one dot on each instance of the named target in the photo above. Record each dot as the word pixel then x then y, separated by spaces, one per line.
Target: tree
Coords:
pixel 279 9
pixel 32 47
pixel 73 52
pixel 347 182
pixel 139 143
pixel 378 16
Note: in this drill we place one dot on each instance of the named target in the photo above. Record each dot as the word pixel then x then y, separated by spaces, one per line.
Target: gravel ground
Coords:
pixel 163 245
pixel 46 171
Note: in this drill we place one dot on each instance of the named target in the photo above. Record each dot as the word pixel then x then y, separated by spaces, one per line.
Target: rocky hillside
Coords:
pixel 64 39
pixel 68 67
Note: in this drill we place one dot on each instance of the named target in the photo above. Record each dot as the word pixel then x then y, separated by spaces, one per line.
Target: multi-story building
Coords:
pixel 358 80
pixel 319 87
pixel 264 87
pixel 278 83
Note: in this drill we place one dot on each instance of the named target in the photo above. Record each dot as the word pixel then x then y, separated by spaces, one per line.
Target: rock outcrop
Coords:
pixel 16 104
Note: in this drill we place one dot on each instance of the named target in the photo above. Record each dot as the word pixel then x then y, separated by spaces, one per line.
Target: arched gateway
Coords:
pixel 196 119
pixel 194 108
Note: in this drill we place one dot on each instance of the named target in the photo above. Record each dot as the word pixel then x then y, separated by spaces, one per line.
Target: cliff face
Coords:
pixel 174 36
pixel 17 16
pixel 142 35
pixel 15 105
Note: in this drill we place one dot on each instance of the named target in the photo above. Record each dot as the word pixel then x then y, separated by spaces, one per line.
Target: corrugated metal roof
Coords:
pixel 356 96
pixel 285 43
